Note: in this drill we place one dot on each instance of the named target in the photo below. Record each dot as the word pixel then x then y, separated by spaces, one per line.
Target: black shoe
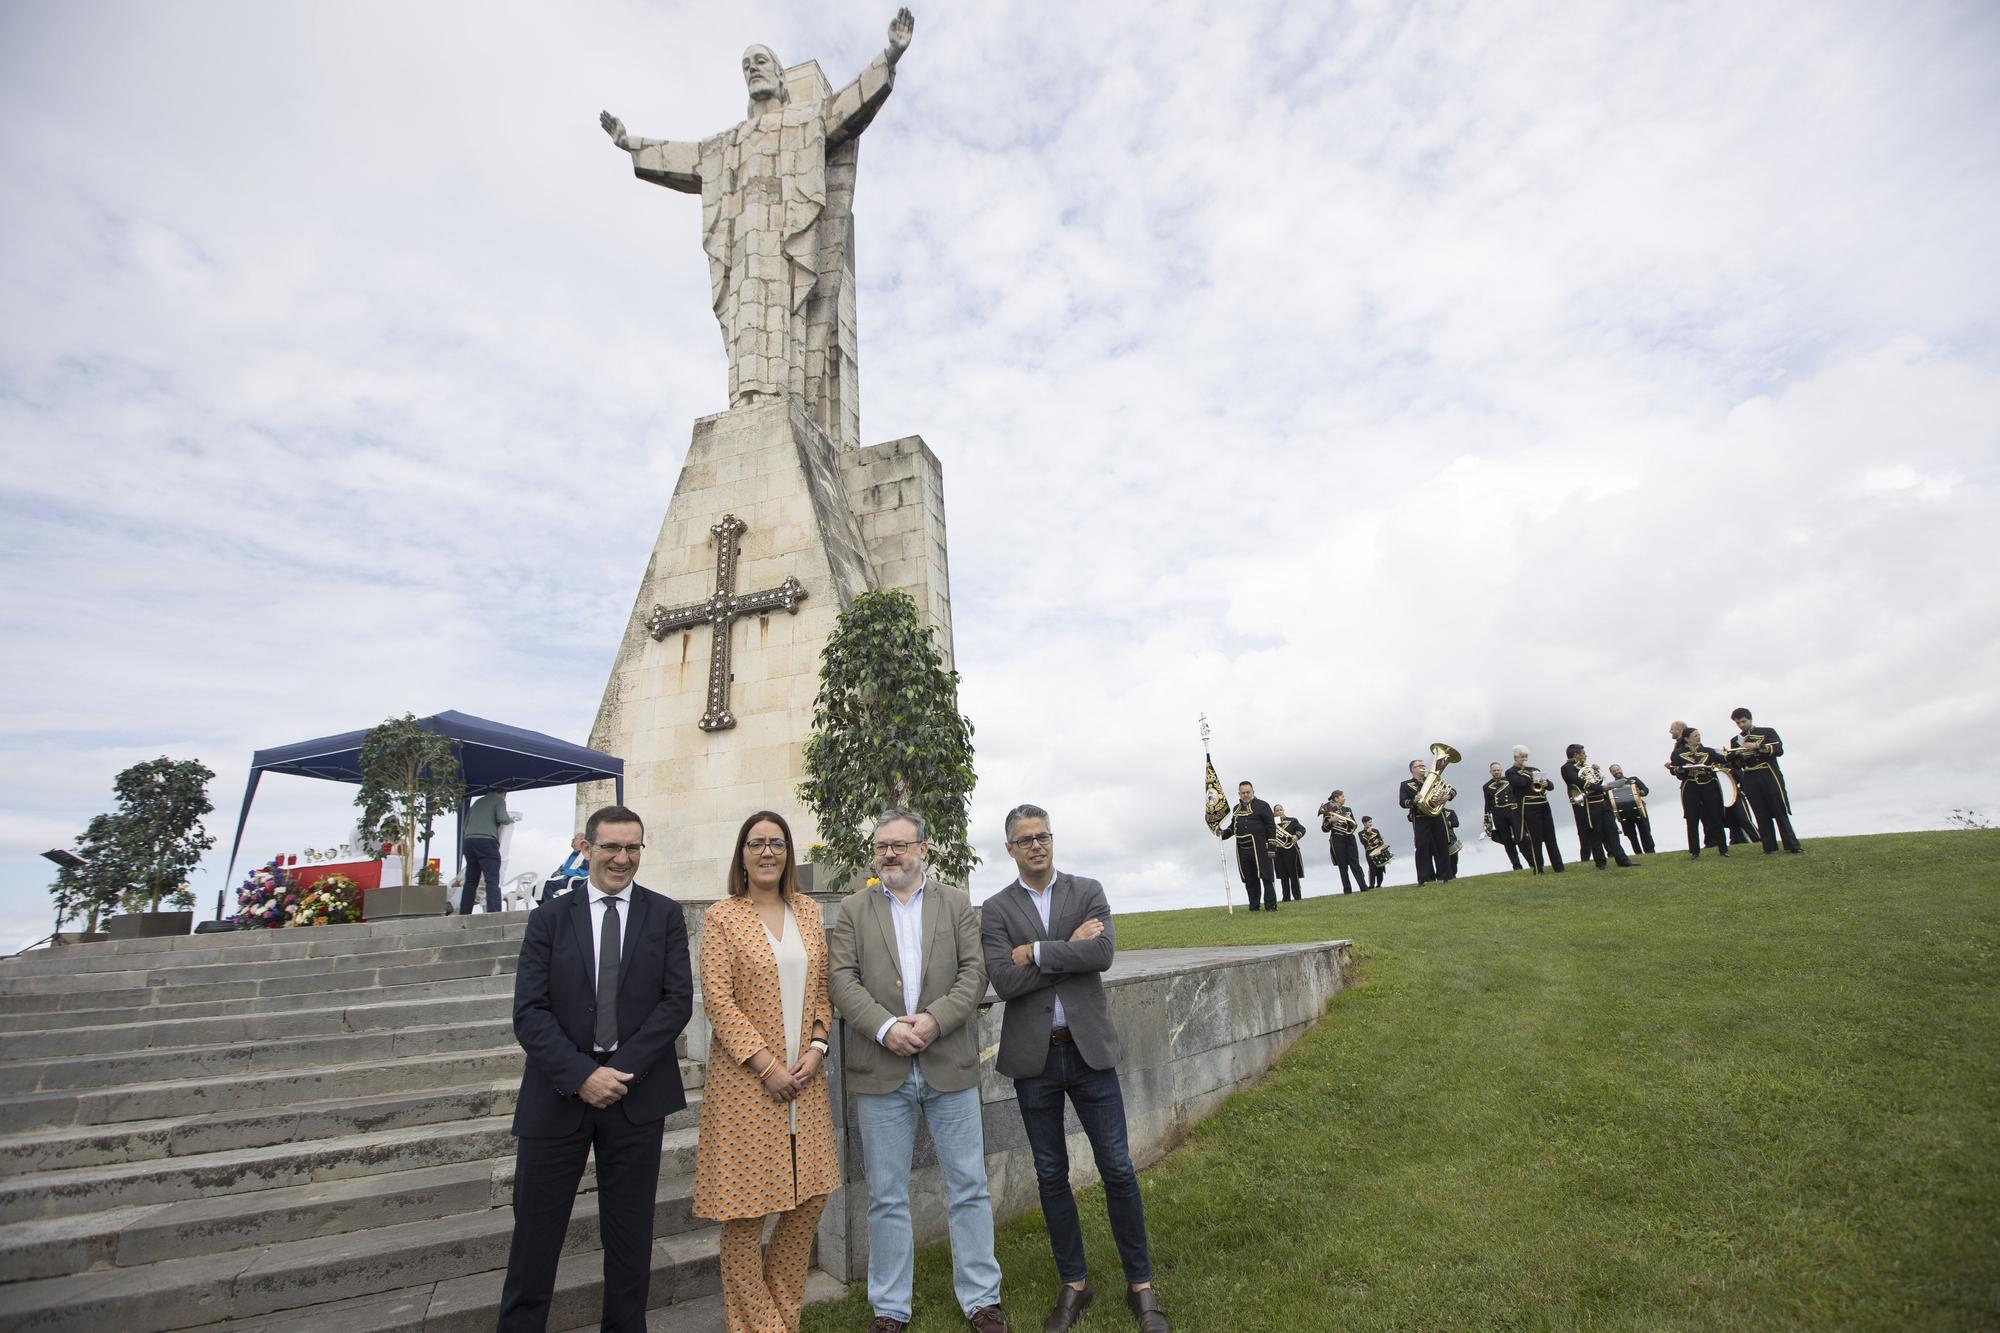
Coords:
pixel 1145 1307
pixel 1070 1305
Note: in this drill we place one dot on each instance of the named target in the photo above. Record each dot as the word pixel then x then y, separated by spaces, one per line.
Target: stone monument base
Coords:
pixel 393 901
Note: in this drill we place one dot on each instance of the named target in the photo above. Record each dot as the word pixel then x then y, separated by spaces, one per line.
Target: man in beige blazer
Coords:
pixel 907 975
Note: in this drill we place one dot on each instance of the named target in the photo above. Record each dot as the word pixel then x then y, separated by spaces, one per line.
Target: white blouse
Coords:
pixel 790 953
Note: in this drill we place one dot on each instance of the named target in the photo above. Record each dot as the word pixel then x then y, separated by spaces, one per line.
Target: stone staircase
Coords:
pixel 298 1129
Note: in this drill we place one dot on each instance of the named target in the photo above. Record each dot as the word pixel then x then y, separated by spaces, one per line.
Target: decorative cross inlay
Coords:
pixel 719 612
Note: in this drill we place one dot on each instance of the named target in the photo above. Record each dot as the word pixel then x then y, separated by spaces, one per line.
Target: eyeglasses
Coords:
pixel 1033 840
pixel 766 844
pixel 619 848
pixel 897 847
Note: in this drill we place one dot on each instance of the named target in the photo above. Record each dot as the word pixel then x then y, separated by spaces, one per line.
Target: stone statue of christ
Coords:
pixel 774 251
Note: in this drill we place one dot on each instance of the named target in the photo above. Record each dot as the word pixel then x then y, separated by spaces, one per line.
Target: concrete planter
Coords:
pixel 145 925
pixel 81 937
pixel 401 900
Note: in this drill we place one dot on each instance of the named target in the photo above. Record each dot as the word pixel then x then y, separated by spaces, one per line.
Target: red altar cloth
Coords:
pixel 367 874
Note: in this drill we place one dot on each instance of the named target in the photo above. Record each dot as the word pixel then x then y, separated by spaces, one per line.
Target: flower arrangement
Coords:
pixel 266 898
pixel 332 901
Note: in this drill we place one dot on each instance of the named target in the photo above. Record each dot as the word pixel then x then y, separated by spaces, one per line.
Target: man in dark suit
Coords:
pixel 601 993
pixel 1048 939
pixel 1754 751
pixel 1431 833
pixel 1252 825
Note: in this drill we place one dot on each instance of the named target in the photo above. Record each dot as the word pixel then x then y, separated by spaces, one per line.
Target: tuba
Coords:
pixel 1333 821
pixel 1436 793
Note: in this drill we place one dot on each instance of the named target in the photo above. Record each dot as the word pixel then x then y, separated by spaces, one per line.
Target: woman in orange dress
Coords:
pixel 766 1122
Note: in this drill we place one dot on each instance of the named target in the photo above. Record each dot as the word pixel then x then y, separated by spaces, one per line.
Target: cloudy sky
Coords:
pixel 1361 375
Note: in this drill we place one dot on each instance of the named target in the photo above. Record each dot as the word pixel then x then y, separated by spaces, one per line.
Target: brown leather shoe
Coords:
pixel 884 1324
pixel 989 1319
pixel 1145 1305
pixel 1070 1305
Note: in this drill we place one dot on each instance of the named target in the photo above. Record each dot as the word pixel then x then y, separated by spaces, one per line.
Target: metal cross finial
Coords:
pixel 719 612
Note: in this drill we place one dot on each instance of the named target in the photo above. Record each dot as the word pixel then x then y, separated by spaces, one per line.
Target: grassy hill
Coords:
pixel 1754 1093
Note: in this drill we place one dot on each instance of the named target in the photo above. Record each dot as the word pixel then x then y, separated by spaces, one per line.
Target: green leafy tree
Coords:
pixel 92 891
pixel 409 777
pixel 887 733
pixel 157 829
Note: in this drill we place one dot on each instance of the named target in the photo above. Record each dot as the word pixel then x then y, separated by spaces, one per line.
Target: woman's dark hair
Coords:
pixel 739 878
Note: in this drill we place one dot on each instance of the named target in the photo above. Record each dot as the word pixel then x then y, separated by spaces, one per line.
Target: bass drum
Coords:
pixel 1625 800
pixel 1726 782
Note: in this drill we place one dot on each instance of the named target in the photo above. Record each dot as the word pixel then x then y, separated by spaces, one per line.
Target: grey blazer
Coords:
pixel 1071 971
pixel 866 983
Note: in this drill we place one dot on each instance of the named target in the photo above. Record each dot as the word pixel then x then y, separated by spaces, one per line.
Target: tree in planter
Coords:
pixel 92 891
pixel 409 777
pixel 887 733
pixel 157 830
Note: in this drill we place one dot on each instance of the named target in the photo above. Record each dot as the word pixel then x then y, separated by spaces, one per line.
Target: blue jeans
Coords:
pixel 1100 1108
pixel 888 1140
pixel 482 856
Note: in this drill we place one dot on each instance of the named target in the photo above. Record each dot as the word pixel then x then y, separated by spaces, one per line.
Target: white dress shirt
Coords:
pixel 598 898
pixel 908 919
pixel 1042 899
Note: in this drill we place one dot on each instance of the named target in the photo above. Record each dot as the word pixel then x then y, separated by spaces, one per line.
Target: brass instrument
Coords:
pixel 1331 820
pixel 1436 793
pixel 1592 776
pixel 1282 838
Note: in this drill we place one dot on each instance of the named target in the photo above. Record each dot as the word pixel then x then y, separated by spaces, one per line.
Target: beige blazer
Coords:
pixel 867 988
pixel 744 1164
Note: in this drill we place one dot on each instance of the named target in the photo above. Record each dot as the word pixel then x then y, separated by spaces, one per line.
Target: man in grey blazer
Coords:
pixel 907 976
pixel 1048 940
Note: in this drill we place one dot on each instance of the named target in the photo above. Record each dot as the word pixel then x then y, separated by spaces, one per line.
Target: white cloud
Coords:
pixel 1360 377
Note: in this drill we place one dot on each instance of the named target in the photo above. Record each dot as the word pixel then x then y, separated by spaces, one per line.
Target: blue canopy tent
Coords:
pixel 491 757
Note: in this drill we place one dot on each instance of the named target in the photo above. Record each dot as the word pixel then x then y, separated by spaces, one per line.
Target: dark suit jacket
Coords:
pixel 555 1010
pixel 1071 971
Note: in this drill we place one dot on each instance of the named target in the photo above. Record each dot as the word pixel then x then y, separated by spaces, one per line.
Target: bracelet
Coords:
pixel 765 1072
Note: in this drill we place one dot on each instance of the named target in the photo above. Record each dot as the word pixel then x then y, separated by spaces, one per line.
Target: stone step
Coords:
pixel 251 989
pixel 173 1098
pixel 686 1275
pixel 288 976
pixel 160 1003
pixel 464 1253
pixel 66 1193
pixel 74 1146
pixel 366 1011
pixel 222 1062
pixel 147 1234
pixel 258 946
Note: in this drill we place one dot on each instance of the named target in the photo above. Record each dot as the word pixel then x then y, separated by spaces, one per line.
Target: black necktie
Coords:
pixel 607 976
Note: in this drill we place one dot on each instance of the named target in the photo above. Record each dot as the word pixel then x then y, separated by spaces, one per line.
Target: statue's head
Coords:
pixel 764 75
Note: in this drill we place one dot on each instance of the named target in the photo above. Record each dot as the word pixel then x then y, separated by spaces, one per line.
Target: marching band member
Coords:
pixel 1593 805
pixel 1754 750
pixel 1503 812
pixel 1636 821
pixel 1701 799
pixel 1430 831
pixel 1287 862
pixel 1379 854
pixel 1538 829
pixel 1336 820
pixel 1252 825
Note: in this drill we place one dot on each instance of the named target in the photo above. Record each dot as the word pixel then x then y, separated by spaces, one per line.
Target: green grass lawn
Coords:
pixel 1755 1093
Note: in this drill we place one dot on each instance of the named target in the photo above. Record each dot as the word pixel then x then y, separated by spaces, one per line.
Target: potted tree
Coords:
pixel 886 733
pixel 409 777
pixel 153 841
pixel 89 884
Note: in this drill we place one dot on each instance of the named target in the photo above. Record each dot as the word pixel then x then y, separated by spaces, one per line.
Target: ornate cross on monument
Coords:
pixel 720 612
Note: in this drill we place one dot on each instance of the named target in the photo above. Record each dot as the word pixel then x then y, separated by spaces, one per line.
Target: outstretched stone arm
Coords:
pixel 849 111
pixel 665 162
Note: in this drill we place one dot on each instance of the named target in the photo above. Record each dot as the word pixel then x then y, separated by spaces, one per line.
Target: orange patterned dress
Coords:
pixel 744 1164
